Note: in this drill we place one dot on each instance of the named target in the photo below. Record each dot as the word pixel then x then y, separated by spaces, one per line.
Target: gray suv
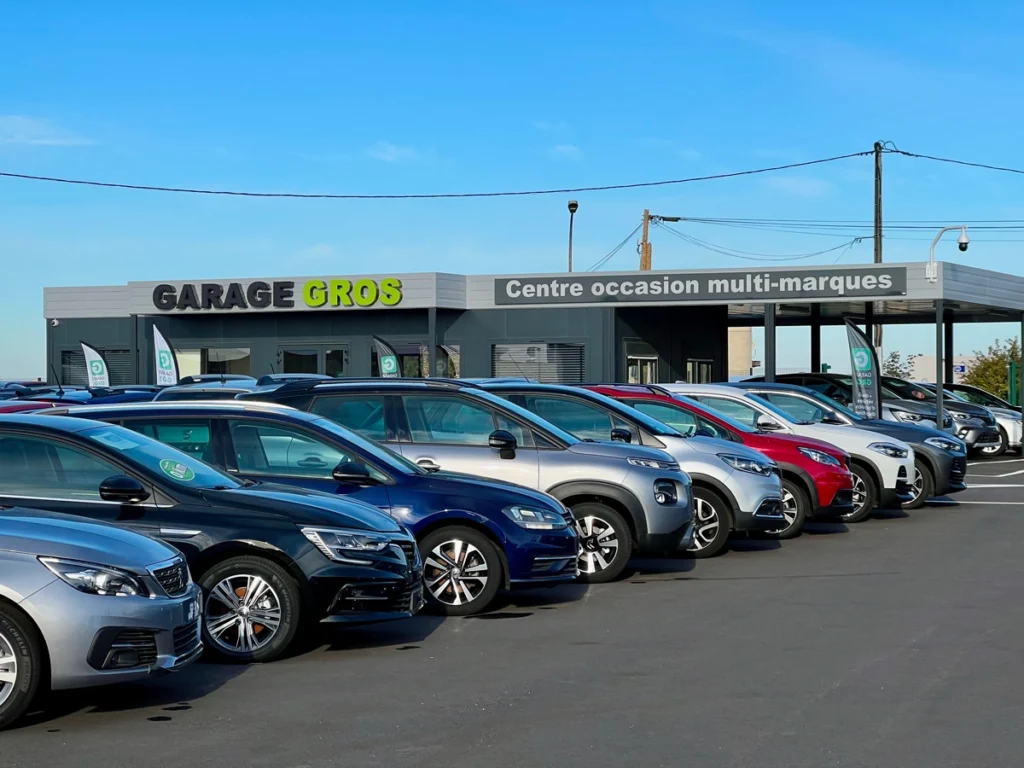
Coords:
pixel 85 604
pixel 624 498
pixel 735 488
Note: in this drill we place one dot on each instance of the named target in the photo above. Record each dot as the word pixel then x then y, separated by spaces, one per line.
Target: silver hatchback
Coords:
pixel 100 604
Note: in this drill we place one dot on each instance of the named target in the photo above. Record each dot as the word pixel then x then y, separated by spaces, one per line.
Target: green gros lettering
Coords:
pixel 390 291
pixel 346 293
pixel 365 293
pixel 314 293
pixel 341 293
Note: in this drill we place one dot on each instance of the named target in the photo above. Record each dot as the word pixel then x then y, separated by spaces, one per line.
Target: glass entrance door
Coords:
pixel 698 371
pixel 329 359
pixel 642 370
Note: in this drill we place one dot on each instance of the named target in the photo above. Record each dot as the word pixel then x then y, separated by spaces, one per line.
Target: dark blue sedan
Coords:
pixel 477 536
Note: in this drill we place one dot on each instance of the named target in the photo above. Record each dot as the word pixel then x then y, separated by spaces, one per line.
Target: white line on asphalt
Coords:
pixel 995 485
pixel 992 461
pixel 1006 503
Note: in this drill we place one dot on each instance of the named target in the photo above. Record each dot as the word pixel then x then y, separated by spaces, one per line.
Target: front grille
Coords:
pixel 989 420
pixel 186 638
pixel 958 471
pixel 769 508
pixel 142 641
pixel 174 579
pixel 408 547
pixel 902 474
pixel 554 566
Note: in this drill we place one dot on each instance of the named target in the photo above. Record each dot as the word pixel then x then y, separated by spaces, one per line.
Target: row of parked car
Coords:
pixel 294 500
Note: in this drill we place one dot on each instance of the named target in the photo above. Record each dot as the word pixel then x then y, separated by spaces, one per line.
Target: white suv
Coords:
pixel 882 466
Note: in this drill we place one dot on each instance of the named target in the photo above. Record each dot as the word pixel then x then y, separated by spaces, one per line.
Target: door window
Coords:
pixel 677 418
pixel 698 371
pixel 797 407
pixel 300 360
pixel 35 468
pixel 261 448
pixel 580 419
pixel 641 370
pixel 449 420
pixel 362 414
pixel 192 436
pixel 734 409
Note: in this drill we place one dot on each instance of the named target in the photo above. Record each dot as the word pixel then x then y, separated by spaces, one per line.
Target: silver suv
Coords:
pixel 735 488
pixel 624 498
pixel 85 604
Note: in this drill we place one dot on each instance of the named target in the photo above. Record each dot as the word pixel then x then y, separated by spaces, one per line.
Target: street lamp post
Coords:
pixel 573 207
pixel 932 274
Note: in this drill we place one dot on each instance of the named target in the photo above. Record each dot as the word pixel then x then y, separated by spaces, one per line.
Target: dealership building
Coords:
pixel 653 326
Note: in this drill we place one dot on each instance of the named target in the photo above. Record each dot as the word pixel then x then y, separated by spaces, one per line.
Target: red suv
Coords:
pixel 816 479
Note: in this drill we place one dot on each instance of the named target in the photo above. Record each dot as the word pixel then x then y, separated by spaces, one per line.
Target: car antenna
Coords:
pixel 518 367
pixel 60 389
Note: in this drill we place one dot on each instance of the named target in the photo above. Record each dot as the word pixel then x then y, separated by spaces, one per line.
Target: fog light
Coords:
pixel 122 659
pixel 665 492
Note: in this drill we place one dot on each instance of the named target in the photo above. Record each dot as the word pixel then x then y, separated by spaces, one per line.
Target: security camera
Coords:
pixel 963 240
pixel 55 322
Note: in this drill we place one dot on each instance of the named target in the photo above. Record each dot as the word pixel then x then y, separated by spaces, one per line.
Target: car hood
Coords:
pixel 305 506
pixel 913 406
pixel 714 446
pixel 456 483
pixel 795 441
pixel 959 406
pixel 49 534
pixel 618 450
pixel 1005 413
pixel 908 433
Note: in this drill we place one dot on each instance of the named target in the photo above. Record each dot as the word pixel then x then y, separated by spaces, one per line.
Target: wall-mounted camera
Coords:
pixel 55 322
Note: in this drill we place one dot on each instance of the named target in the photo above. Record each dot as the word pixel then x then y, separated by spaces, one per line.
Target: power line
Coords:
pixel 605 259
pixel 431 196
pixel 751 255
pixel 967 163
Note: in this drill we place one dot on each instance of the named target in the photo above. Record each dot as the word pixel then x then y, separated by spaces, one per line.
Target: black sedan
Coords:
pixel 268 557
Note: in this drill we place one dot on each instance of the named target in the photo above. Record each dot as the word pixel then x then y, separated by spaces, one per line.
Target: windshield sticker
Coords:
pixel 113 440
pixel 177 470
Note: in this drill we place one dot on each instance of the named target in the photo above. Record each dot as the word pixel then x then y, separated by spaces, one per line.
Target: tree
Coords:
pixel 990 370
pixel 894 365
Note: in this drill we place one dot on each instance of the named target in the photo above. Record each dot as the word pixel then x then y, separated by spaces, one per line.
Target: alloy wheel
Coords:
pixel 789 511
pixel 705 524
pixel 599 544
pixel 917 487
pixel 860 495
pixel 8 668
pixel 455 572
pixel 243 613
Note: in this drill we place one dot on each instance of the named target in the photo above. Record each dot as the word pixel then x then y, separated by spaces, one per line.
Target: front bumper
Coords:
pixel 894 498
pixel 950 469
pixel 841 504
pixel 834 488
pixel 97 640
pixel 759 501
pixel 538 558
pixel 977 436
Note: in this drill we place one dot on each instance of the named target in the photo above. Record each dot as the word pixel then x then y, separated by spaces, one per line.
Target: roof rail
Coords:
pixel 305 385
pixel 654 389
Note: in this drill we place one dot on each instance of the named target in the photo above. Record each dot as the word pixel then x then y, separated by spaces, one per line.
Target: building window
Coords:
pixel 74 374
pixel 698 371
pixel 414 361
pixel 214 360
pixel 547 363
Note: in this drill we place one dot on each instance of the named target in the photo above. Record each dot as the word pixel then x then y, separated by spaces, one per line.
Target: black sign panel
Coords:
pixel 682 287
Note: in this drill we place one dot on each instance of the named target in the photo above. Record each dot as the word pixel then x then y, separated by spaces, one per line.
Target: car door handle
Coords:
pixel 312 461
pixel 182 533
pixel 429 464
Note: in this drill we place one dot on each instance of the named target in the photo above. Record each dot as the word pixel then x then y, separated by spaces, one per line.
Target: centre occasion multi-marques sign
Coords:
pixel 278 294
pixel 703 286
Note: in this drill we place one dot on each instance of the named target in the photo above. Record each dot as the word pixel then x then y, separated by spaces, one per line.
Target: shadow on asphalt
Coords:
pixel 823 529
pixel 173 693
pixel 889 514
pixel 402 632
pixel 741 543
pixel 658 566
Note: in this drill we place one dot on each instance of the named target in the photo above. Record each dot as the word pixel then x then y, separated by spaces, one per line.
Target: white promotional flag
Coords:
pixel 166 362
pixel 96 367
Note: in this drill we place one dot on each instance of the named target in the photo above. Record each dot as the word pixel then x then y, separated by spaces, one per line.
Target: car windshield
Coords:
pixel 908 391
pixel 379 453
pixel 528 416
pixel 887 392
pixel 775 410
pixel 725 418
pixel 981 397
pixel 169 464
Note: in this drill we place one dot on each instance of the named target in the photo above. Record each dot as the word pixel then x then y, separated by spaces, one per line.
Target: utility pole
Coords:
pixel 645 245
pixel 880 307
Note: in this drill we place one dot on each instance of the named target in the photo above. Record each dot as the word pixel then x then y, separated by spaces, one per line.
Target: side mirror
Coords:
pixel 831 417
pixel 703 432
pixel 620 435
pixel 767 424
pixel 353 473
pixel 504 442
pixel 123 489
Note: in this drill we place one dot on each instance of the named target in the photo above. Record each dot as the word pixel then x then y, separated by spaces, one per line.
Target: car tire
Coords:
pixel 606 543
pixel 266 591
pixel 447 554
pixel 21 664
pixel 712 523
pixel 924 485
pixel 796 506
pixel 865 494
pixel 996 450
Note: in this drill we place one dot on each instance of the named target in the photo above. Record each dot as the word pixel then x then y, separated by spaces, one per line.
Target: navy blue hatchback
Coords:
pixel 477 536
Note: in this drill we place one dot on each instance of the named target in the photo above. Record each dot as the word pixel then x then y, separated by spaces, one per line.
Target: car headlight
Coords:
pixel 890 450
pixel 636 461
pixel 95 579
pixel 907 416
pixel 820 456
pixel 535 519
pixel 743 464
pixel 947 444
pixel 344 546
pixel 961 416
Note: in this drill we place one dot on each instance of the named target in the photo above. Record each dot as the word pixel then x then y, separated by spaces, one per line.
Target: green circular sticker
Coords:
pixel 177 470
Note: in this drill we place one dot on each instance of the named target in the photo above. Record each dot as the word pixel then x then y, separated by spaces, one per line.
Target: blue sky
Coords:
pixel 455 96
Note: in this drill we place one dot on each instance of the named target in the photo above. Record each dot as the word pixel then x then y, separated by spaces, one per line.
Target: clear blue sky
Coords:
pixel 453 96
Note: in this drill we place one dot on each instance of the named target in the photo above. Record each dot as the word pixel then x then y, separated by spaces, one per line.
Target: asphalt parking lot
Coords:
pixel 896 643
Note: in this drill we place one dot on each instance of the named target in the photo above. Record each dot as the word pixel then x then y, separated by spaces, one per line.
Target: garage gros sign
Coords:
pixel 269 295
pixel 703 286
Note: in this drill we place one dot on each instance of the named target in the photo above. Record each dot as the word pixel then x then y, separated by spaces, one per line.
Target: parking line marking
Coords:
pixel 1000 461
pixel 1007 503
pixel 995 485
